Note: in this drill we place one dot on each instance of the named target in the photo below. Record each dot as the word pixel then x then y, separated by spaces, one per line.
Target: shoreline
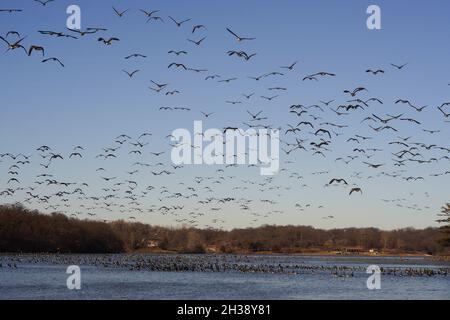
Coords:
pixel 292 254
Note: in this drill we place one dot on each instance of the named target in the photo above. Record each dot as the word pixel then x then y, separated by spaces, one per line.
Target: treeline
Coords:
pixel 22 230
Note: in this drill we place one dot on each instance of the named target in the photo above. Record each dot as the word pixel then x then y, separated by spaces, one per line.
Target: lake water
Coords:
pixel 153 276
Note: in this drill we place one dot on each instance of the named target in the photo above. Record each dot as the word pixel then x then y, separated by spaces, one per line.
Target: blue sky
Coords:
pixel 91 101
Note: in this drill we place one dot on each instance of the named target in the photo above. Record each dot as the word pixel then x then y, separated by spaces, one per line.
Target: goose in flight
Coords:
pixel 206 114
pixel 355 91
pixel 241 54
pixel 57 34
pixel 212 77
pixel 373 99
pixel 374 72
pixel 419 109
pixel 446 115
pixel 254 116
pixel 431 131
pixel 12 33
pixel 54 59
pixel 15 45
pixel 290 67
pixel 159 85
pixel 197 70
pixel 135 55
pixel 375 166
pixel 120 13
pixel 157 154
pixel 131 74
pixel 145 134
pixel 96 29
pixel 404 101
pixel 148 14
pixel 36 48
pixel 44 2
pixel 310 77
pixel 55 156
pixel 322 74
pixel 238 38
pixel 179 23
pixel 399 67
pixel 82 33
pixel 307 123
pixel 326 102
pixel 13 180
pixel 109 41
pixel 11 10
pixel 198 43
pixel 177 52
pixel 291 129
pixel 198 27
pixel 75 154
pixel 178 65
pixel 269 98
pixel 355 190
pixel 323 131
pixel 227 80
pixel 338 181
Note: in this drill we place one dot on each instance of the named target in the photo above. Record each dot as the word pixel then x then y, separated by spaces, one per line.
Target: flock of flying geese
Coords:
pixel 312 131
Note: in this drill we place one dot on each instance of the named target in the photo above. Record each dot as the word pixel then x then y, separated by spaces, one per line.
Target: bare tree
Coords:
pixel 445 214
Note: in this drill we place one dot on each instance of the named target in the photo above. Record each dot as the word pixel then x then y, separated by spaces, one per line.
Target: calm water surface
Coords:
pixel 150 276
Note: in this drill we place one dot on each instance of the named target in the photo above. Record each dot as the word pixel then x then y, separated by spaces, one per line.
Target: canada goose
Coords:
pixel 132 73
pixel 446 115
pixel 159 85
pixel 15 45
pixel 178 65
pixel 198 27
pixel 197 43
pixel 109 41
pixel 75 154
pixel 238 38
pixel 355 91
pixel 180 22
pixel 135 55
pixel 227 80
pixel 12 33
pixel 375 72
pixel 11 10
pixel 148 14
pixel 206 114
pixel 82 33
pixel 338 181
pixel 355 190
pixel 178 52
pixel 44 2
pixel 399 67
pixel 290 67
pixel 54 59
pixel 120 13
